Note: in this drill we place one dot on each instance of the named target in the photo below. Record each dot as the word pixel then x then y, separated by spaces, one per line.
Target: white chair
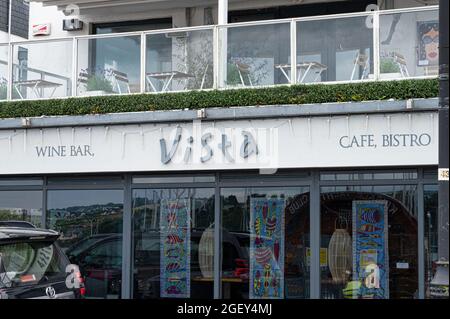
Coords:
pixel 400 60
pixel 244 70
pixel 361 60
pixel 117 79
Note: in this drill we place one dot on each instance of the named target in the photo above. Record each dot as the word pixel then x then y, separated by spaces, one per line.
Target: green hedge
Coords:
pixel 296 94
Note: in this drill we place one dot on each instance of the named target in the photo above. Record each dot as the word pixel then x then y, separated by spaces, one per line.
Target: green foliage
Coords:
pixel 3 91
pixel 99 83
pixel 233 77
pixel 280 95
pixel 388 65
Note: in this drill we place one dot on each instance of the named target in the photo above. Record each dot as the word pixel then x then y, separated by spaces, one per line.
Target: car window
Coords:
pixel 107 254
pixel 29 263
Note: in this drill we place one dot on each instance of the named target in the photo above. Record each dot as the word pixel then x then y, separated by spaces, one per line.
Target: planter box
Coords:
pixel 94 93
pixel 396 75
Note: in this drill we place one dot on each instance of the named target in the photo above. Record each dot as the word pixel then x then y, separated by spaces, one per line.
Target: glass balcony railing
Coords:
pixel 255 54
pixel 42 69
pixel 366 46
pixel 3 72
pixel 179 60
pixel 335 49
pixel 409 44
pixel 108 65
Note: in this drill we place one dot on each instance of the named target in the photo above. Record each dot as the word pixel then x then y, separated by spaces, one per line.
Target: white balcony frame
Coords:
pixel 219 45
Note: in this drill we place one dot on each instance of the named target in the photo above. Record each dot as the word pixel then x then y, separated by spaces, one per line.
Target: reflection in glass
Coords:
pixel 21 205
pixel 431 233
pixel 34 77
pixel 381 259
pixel 179 61
pixel 409 44
pixel 265 243
pixel 90 223
pixel 257 55
pixel 3 72
pixel 109 65
pixel 173 243
pixel 334 50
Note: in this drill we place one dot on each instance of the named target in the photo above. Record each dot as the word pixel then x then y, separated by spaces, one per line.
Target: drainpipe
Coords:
pixel 439 284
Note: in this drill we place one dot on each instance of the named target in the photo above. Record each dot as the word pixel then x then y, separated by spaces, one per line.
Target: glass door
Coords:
pixel 265 243
pixel 173 243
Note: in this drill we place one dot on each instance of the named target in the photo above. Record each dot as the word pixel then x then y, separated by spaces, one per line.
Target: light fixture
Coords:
pixel 340 252
pixel 206 252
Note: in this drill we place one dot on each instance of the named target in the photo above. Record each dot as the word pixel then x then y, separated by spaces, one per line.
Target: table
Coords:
pixel 306 67
pixel 166 78
pixel 37 86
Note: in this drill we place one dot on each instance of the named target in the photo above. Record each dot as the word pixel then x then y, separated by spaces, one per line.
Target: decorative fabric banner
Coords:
pixel 175 230
pixel 370 248
pixel 266 248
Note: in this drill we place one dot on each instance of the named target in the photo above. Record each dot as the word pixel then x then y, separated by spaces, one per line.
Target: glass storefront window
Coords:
pixel 265 242
pixel 431 233
pixel 90 223
pixel 21 205
pixel 173 243
pixel 370 237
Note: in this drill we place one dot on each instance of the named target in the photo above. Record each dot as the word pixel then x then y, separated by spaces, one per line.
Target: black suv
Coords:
pixel 32 266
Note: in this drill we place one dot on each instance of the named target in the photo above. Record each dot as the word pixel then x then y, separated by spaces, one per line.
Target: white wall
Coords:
pixel 40 14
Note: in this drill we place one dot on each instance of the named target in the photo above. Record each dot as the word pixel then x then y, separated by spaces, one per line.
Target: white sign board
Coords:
pixel 41 29
pixel 353 141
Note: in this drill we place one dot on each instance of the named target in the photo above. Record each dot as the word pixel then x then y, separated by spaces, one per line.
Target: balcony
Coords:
pixel 348 48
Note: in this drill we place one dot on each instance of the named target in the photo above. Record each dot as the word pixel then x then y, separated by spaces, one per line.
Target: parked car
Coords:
pixel 32 266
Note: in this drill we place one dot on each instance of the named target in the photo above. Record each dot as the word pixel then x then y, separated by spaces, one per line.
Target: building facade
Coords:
pixel 323 200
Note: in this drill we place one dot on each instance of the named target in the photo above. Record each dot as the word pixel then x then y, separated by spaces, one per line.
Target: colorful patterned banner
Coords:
pixel 175 249
pixel 370 249
pixel 266 248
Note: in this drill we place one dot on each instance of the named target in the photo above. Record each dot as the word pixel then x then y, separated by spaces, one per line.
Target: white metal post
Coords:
pixel 10 54
pixel 293 52
pixel 143 62
pixel 74 67
pixel 376 45
pixel 222 47
pixel 223 12
pixel 9 20
pixel 9 76
pixel 216 57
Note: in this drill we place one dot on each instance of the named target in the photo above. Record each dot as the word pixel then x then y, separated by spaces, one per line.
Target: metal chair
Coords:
pixel 117 78
pixel 400 60
pixel 244 70
pixel 361 60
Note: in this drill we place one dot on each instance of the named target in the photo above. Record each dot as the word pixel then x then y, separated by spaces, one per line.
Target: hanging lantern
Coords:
pixel 340 252
pixel 206 253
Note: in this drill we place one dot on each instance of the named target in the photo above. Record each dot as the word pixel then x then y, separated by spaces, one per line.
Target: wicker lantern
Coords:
pixel 206 253
pixel 340 253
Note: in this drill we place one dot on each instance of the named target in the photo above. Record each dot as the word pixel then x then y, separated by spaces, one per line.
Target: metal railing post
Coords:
pixel 376 45
pixel 293 51
pixel 216 58
pixel 10 76
pixel 222 53
pixel 143 62
pixel 74 66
